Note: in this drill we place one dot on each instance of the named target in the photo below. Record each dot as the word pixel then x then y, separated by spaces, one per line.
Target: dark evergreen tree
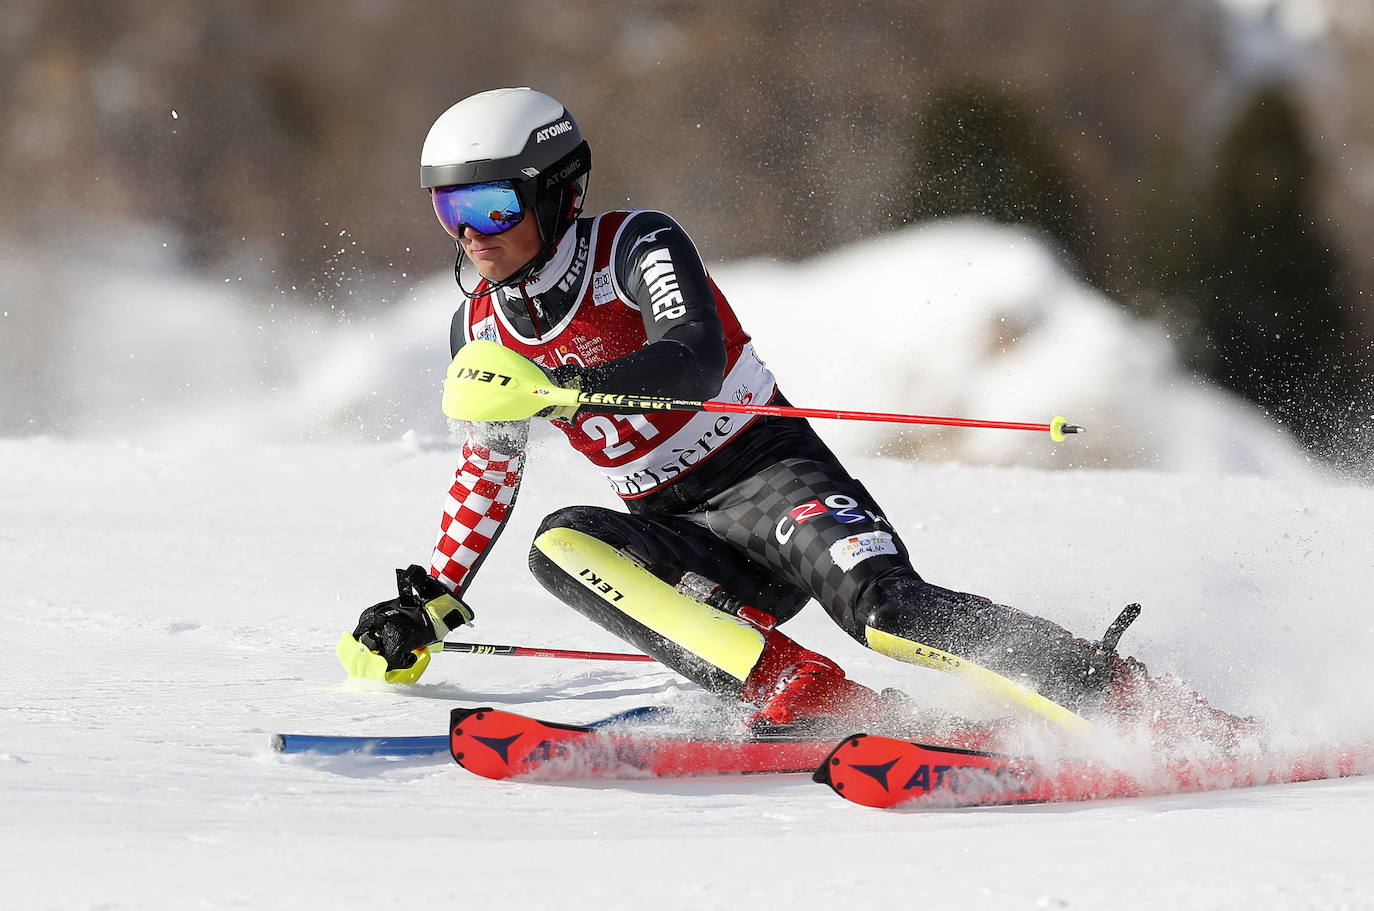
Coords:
pixel 1265 283
pixel 976 151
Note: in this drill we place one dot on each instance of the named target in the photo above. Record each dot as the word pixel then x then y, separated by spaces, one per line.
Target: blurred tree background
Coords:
pixel 1211 170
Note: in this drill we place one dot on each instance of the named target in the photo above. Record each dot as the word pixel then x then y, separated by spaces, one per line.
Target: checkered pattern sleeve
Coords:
pixel 479 501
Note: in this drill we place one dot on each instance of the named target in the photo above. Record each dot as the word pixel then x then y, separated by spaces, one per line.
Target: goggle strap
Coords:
pixel 571 166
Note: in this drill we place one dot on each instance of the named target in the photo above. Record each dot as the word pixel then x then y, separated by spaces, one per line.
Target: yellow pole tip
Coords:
pixel 1059 428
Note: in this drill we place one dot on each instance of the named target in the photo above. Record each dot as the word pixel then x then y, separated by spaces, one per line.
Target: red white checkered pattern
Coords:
pixel 478 502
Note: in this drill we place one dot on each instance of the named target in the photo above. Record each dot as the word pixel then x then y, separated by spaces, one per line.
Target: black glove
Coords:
pixel 422 613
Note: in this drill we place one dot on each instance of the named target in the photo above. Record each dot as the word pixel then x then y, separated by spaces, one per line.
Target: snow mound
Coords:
pixel 962 318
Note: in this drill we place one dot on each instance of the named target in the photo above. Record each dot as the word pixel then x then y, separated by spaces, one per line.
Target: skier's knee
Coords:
pixel 902 604
pixel 586 519
pixel 591 522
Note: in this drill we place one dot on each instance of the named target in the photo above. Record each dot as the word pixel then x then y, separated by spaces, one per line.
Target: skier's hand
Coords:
pixel 422 613
pixel 567 377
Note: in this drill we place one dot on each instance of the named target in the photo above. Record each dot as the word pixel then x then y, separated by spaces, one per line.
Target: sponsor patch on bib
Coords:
pixel 602 291
pixel 486 330
pixel 849 552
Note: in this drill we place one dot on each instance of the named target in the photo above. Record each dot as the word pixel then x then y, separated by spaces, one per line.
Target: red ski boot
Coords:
pixel 814 689
pixel 1172 717
pixel 796 687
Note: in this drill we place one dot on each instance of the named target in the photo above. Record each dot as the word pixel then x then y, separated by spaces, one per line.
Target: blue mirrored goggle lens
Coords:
pixel 487 208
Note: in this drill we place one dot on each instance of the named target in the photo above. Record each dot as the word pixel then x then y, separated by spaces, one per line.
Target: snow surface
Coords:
pixel 175 606
pixel 173 590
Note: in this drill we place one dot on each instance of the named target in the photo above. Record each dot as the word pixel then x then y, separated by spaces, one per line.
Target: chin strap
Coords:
pixel 518 277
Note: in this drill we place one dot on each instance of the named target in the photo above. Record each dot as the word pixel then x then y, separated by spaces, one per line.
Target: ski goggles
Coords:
pixel 487 208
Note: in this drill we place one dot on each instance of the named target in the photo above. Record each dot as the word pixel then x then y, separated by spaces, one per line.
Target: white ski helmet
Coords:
pixel 519 135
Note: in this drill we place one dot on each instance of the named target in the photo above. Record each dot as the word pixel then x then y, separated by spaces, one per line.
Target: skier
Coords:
pixel 734 522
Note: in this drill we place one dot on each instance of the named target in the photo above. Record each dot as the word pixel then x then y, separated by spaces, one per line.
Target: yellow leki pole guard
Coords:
pixel 1057 428
pixel 364 664
pixel 490 382
pixel 989 680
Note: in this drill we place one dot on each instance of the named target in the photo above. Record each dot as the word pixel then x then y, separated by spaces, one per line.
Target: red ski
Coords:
pixel 497 744
pixel 884 772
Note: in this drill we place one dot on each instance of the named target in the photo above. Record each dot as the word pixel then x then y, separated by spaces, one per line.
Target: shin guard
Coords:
pixel 708 646
pixel 912 652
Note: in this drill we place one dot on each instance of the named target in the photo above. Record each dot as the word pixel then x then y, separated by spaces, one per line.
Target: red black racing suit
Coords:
pixel 758 504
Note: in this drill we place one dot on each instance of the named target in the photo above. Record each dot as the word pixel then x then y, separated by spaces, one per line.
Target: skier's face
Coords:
pixel 497 256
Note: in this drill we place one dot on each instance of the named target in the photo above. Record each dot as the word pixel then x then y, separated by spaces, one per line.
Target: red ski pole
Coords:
pixel 526 651
pixel 1056 428
pixel 488 382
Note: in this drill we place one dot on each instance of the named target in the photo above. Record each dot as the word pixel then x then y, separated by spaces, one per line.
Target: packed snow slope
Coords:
pixel 166 609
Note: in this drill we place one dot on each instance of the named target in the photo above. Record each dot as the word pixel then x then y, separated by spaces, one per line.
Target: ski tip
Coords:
pixel 278 743
pixel 459 715
pixel 456 719
pixel 822 773
pixel 499 744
